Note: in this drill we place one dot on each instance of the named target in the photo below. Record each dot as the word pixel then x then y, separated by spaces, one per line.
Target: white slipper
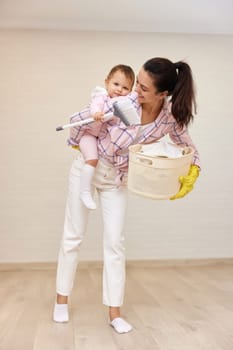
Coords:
pixel 120 325
pixel 60 313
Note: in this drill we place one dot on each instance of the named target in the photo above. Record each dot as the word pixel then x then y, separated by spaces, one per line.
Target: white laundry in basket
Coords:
pixel 162 149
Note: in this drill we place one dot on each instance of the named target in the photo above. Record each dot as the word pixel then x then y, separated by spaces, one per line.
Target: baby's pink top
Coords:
pixel 99 97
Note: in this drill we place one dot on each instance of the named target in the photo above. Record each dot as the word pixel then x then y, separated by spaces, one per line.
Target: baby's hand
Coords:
pixel 98 116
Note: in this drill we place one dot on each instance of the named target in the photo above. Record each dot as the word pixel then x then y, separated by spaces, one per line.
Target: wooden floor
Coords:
pixel 171 308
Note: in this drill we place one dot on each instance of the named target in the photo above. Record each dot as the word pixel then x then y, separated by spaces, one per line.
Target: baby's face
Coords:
pixel 118 85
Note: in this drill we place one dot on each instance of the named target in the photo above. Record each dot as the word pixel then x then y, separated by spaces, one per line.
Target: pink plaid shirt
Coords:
pixel 114 138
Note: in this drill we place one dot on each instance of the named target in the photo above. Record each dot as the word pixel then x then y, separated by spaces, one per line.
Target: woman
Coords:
pixel 158 79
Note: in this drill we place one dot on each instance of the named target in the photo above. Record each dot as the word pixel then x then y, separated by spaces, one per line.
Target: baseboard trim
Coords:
pixel 130 264
pixel 179 262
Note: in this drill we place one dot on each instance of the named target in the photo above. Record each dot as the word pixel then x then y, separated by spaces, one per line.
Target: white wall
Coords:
pixel 48 75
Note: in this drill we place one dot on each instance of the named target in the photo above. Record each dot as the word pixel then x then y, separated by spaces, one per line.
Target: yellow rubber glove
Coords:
pixel 187 182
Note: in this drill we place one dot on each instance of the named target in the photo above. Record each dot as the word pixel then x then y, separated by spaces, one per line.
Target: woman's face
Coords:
pixel 147 93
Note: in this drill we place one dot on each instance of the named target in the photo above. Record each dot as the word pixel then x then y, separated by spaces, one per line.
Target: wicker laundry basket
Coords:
pixel 156 177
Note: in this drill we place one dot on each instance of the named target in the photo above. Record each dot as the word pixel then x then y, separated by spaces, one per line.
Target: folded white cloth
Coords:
pixel 162 149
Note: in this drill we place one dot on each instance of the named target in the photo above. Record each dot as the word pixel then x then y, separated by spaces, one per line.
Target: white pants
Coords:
pixel 113 202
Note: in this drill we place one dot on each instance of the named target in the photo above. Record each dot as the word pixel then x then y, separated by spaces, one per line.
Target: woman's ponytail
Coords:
pixel 176 79
pixel 183 96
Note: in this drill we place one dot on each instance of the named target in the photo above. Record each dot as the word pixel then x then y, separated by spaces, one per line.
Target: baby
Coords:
pixel 118 83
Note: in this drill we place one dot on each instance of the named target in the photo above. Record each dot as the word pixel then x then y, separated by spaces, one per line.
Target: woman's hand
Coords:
pixel 187 182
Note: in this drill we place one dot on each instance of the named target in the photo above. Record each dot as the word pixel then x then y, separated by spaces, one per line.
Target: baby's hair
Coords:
pixel 127 70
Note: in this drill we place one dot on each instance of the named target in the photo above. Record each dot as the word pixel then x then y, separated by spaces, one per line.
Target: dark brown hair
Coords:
pixel 176 78
pixel 127 70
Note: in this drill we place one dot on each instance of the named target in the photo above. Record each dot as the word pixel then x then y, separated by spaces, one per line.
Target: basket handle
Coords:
pixel 144 160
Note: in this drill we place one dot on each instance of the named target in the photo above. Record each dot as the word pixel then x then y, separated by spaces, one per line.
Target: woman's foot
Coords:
pixel 61 312
pixel 118 323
